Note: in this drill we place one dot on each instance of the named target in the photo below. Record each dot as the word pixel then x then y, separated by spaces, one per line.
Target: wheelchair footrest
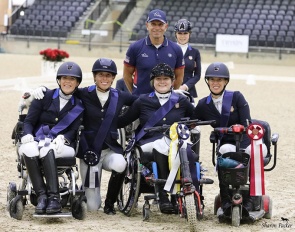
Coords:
pixel 56 215
pixel 206 181
pixel 255 215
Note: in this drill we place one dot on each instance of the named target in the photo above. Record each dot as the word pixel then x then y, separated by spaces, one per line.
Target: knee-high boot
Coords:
pixel 33 168
pixel 51 176
pixel 114 187
pixel 224 195
pixel 163 172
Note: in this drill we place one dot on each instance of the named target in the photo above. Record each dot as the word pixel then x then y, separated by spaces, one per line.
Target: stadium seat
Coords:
pixel 253 40
pixel 247 32
pixel 279 41
pixel 270 42
pixel 262 40
pixel 229 31
pixel 55 18
pixel 47 31
pixel 221 31
pixel 288 43
pixel 201 38
pixel 238 31
pixel 38 30
pixel 14 29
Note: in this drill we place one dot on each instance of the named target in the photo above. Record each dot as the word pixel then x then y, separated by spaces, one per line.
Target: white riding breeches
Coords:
pixel 161 145
pixel 232 148
pixel 31 149
pixel 109 161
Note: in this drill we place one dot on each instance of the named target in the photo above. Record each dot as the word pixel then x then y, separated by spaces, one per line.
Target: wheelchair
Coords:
pixel 73 199
pixel 236 174
pixel 142 178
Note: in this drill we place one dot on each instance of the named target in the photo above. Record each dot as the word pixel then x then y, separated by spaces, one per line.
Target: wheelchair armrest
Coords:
pixel 274 138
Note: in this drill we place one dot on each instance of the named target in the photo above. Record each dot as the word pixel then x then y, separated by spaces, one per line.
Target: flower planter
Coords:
pixel 49 68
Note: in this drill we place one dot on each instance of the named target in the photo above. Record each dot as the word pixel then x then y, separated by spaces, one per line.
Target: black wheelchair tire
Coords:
pixel 16 209
pixel 79 208
pixel 128 196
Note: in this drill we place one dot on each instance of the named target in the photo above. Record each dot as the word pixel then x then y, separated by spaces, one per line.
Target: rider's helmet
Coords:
pixel 69 69
pixel 218 70
pixel 104 65
pixel 182 25
pixel 162 69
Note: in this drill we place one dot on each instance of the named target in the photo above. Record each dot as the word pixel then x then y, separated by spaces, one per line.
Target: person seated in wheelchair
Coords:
pixel 162 106
pixel 99 148
pixel 227 108
pixel 50 130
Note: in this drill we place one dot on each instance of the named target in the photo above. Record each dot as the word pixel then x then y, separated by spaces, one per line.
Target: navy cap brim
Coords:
pixel 161 20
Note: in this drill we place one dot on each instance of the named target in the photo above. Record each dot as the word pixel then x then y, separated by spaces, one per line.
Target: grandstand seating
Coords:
pixel 269 23
pixel 50 18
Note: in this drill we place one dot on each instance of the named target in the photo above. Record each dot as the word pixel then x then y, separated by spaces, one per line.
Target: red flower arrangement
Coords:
pixel 54 55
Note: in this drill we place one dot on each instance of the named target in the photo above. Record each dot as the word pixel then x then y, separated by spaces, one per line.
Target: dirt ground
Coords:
pixel 269 90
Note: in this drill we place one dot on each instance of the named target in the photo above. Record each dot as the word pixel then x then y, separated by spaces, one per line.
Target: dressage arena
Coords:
pixel 267 86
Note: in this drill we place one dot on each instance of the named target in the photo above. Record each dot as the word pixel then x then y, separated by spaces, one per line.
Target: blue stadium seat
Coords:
pixel 221 31
pixel 270 42
pixel 288 43
pixel 253 40
pixel 247 32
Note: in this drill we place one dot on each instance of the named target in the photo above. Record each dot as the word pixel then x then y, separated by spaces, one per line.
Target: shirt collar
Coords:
pixel 148 41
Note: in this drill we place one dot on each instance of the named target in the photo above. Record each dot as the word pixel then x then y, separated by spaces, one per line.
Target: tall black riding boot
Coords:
pixel 114 187
pixel 51 176
pixel 163 171
pixel 225 196
pixel 33 168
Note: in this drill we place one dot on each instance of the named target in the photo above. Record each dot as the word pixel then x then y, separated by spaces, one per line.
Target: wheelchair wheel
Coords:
pixel 127 199
pixel 11 193
pixel 191 212
pixel 122 137
pixel 79 208
pixel 16 208
pixel 236 216
pixel 267 206
pixel 217 204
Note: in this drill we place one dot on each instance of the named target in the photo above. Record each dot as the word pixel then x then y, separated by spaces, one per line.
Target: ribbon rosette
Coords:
pixel 257 186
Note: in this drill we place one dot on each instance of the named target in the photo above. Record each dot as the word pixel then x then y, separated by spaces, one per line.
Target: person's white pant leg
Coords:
pixel 29 149
pixel 113 161
pixel 92 194
pixel 225 148
pixel 161 145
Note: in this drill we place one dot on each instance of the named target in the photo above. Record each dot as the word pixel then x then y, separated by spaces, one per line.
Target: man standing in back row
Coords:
pixel 147 52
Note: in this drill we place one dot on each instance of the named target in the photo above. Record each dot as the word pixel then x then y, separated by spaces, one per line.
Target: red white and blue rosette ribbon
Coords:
pixel 257 185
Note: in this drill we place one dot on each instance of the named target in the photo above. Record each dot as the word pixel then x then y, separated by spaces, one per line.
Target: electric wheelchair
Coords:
pixel 73 199
pixel 234 170
pixel 142 176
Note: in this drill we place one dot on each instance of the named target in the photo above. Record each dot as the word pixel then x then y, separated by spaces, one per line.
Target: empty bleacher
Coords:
pixel 269 23
pixel 50 18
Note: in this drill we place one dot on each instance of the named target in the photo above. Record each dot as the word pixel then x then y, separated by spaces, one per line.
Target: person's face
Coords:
pixel 162 84
pixel 103 80
pixel 216 84
pixel 182 37
pixel 68 84
pixel 156 29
